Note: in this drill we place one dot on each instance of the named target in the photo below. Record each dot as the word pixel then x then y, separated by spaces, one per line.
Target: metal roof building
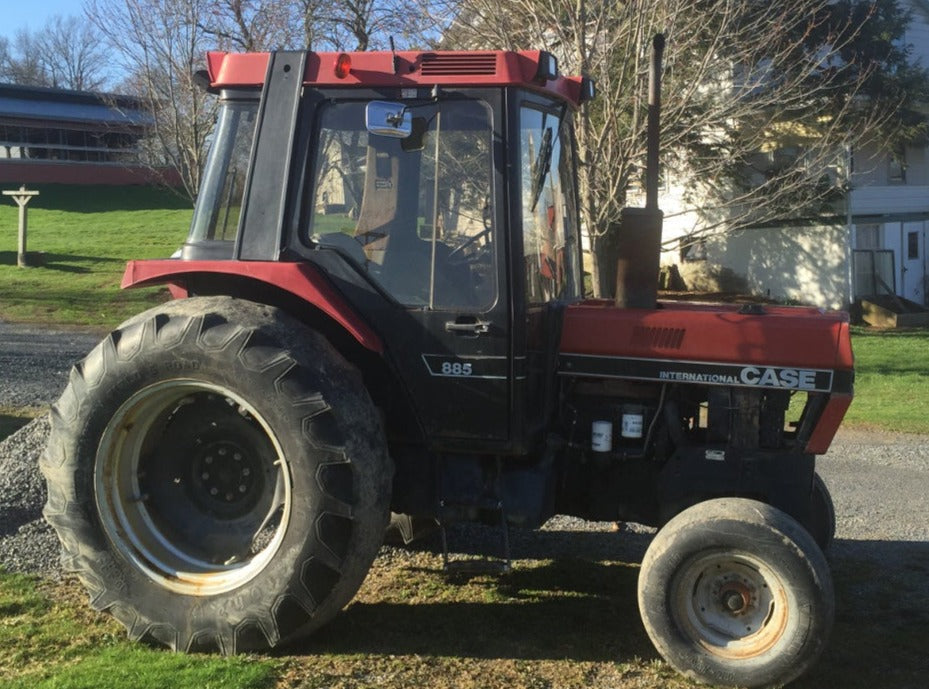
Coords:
pixel 70 137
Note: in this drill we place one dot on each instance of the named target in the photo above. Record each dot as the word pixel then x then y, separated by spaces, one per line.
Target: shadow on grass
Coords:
pixel 60 262
pixel 882 618
pixel 102 198
pixel 586 611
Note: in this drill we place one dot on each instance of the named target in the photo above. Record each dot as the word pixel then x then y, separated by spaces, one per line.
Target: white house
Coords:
pixel 878 245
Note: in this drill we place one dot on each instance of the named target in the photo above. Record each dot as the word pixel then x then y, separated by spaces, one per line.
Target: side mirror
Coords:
pixel 388 119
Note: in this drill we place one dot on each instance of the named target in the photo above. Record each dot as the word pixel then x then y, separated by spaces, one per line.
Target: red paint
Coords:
pixel 471 68
pixel 782 336
pixel 300 279
pixel 828 424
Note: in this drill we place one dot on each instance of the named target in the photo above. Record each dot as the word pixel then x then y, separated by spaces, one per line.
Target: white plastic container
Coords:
pixel 633 421
pixel 601 436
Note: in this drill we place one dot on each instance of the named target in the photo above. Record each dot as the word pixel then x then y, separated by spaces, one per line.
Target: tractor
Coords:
pixel 379 321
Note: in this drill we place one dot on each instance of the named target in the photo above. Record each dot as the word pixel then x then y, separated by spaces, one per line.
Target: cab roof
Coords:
pixel 532 69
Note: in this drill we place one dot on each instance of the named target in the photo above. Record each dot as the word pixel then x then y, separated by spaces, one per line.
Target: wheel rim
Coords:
pixel 731 604
pixel 192 487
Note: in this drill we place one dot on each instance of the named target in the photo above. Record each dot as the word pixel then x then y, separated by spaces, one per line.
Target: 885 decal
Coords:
pixel 483 366
pixel 457 368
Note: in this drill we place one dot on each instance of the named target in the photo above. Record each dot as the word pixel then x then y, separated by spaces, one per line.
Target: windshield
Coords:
pixel 415 214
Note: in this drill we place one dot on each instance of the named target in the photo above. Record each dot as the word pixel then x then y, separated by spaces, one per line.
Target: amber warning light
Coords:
pixel 343 65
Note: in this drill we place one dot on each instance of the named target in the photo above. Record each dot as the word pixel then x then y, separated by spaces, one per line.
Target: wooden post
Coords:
pixel 22 198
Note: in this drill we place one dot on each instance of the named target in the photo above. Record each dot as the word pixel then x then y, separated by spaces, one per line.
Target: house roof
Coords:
pixel 60 106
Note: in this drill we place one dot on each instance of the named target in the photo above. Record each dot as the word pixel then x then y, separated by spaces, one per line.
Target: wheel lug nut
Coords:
pixel 237 456
pixel 242 489
pixel 222 451
pixel 208 459
pixel 205 475
pixel 214 491
pixel 246 472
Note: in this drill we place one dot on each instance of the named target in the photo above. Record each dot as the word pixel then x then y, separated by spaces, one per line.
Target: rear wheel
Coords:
pixel 735 592
pixel 217 476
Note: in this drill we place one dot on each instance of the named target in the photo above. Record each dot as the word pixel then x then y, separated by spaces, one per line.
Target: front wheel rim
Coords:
pixel 731 604
pixel 192 487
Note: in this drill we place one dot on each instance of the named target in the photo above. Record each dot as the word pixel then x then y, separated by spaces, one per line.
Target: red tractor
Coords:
pixel 379 311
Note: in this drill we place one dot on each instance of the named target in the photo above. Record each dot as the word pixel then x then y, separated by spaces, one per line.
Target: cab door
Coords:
pixel 418 217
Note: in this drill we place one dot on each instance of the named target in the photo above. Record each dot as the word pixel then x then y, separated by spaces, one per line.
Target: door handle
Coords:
pixel 468 325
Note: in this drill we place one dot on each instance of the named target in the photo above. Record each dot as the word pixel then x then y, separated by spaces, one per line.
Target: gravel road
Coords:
pixel 879 481
pixel 35 362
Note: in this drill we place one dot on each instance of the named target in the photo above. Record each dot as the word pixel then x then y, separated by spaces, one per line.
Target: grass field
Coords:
pixel 891 380
pixel 82 237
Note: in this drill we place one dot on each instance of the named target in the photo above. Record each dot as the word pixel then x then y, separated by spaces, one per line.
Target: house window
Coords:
pixel 868 236
pixel 896 167
pixel 692 249
pixel 912 246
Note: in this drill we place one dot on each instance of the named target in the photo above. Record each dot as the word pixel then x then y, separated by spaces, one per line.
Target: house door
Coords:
pixel 913 262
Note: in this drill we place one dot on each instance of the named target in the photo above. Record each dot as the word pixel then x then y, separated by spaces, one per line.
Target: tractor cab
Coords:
pixel 437 197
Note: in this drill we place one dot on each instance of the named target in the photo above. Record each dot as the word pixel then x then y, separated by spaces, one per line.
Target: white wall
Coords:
pixel 794 264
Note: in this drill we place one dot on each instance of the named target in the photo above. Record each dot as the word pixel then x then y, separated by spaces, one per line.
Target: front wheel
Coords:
pixel 735 592
pixel 217 476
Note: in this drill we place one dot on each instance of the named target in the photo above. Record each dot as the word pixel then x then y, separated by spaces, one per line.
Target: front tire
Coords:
pixel 822 514
pixel 735 592
pixel 217 476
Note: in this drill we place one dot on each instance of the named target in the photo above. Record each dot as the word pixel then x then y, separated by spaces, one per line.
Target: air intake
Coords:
pixel 434 64
pixel 657 338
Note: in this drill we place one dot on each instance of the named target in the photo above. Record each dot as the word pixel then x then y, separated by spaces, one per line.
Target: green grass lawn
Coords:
pixel 51 639
pixel 891 380
pixel 84 236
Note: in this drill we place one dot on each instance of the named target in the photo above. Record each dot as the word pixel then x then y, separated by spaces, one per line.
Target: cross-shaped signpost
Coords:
pixel 22 197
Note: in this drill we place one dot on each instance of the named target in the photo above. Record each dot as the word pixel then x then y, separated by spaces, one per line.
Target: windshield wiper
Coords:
pixel 542 164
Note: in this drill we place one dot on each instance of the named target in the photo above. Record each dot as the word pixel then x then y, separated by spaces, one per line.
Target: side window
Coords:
pixel 414 214
pixel 548 207
pixel 217 216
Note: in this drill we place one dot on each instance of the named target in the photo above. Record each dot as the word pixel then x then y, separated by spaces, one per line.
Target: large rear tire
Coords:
pixel 218 476
pixel 735 592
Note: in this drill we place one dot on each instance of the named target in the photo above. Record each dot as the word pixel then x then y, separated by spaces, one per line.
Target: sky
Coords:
pixel 32 14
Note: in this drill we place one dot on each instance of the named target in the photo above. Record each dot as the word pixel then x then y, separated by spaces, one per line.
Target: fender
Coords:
pixel 303 280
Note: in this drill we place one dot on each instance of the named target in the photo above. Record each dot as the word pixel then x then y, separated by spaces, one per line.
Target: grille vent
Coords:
pixel 659 338
pixel 452 65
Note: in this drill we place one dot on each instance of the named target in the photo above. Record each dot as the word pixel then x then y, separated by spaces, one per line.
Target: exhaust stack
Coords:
pixel 639 241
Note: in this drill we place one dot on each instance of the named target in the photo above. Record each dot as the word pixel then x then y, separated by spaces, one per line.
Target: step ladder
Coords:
pixel 475 566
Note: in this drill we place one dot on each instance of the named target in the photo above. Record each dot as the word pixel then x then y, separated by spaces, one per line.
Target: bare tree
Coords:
pixel 65 53
pixel 334 25
pixel 72 54
pixel 24 63
pixel 161 46
pixel 248 25
pixel 744 81
pixel 5 59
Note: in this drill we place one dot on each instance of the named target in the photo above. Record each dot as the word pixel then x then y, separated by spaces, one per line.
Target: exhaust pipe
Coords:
pixel 639 240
